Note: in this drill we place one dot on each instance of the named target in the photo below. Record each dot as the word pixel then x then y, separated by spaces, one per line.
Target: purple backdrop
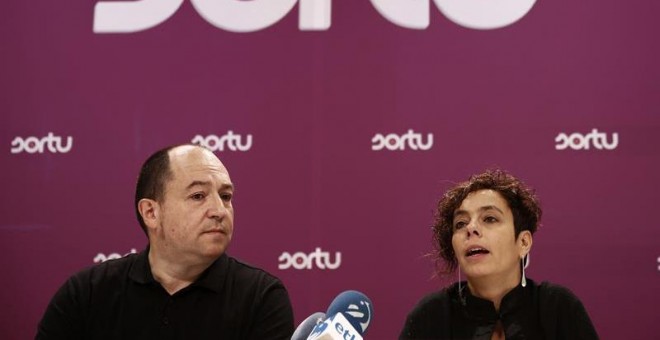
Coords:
pixel 566 98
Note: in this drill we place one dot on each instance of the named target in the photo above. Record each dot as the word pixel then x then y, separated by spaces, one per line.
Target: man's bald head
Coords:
pixel 156 171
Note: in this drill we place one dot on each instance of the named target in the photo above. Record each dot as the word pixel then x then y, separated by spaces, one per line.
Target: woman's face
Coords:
pixel 484 238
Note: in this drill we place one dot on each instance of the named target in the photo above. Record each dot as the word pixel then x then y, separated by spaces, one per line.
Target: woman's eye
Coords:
pixel 490 219
pixel 459 225
pixel 226 197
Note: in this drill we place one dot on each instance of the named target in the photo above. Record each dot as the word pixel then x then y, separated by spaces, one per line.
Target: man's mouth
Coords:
pixel 213 231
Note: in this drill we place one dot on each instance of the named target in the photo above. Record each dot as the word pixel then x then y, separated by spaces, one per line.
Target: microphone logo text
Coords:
pixel 335 327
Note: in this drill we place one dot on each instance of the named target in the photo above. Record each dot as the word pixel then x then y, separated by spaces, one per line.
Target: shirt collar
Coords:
pixel 140 272
pixel 212 278
pixel 482 309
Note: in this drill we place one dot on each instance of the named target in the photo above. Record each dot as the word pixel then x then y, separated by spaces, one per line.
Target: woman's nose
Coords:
pixel 473 229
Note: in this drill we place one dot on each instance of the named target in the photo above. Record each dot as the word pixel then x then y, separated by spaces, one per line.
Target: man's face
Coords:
pixel 196 217
pixel 484 237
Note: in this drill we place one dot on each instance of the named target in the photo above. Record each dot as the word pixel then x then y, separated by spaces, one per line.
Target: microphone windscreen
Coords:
pixel 355 306
pixel 305 327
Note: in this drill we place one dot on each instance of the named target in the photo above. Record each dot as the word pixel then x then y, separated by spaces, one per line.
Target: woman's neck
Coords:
pixel 494 288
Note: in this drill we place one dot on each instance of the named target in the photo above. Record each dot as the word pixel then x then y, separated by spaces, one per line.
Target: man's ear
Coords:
pixel 525 241
pixel 150 211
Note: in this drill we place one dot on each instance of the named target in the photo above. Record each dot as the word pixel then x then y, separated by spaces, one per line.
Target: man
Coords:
pixel 184 285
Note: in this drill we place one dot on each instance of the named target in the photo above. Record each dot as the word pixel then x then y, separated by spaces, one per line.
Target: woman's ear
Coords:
pixel 525 241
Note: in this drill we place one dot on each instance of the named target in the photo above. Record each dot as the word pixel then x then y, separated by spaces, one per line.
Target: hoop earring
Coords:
pixel 459 279
pixel 524 262
pixel 460 287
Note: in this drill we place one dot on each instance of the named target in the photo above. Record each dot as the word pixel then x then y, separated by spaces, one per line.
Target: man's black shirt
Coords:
pixel 119 299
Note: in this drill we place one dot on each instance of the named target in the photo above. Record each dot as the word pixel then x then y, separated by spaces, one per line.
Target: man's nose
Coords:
pixel 217 208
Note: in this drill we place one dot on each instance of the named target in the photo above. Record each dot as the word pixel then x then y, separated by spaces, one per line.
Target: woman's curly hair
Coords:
pixel 521 199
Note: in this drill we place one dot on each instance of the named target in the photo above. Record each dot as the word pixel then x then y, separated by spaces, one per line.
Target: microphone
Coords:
pixel 350 314
pixel 305 327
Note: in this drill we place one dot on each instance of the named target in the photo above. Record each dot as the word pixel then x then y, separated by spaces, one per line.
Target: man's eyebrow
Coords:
pixel 226 186
pixel 198 183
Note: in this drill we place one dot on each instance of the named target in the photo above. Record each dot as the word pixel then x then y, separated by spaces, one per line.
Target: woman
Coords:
pixel 484 228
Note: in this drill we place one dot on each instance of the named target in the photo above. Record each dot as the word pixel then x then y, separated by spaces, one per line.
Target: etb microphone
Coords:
pixel 349 316
pixel 305 327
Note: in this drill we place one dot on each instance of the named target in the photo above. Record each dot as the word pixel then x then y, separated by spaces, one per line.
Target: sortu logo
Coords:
pixel 393 141
pixel 578 141
pixel 300 260
pixel 229 140
pixel 50 143
pixel 101 257
pixel 313 15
